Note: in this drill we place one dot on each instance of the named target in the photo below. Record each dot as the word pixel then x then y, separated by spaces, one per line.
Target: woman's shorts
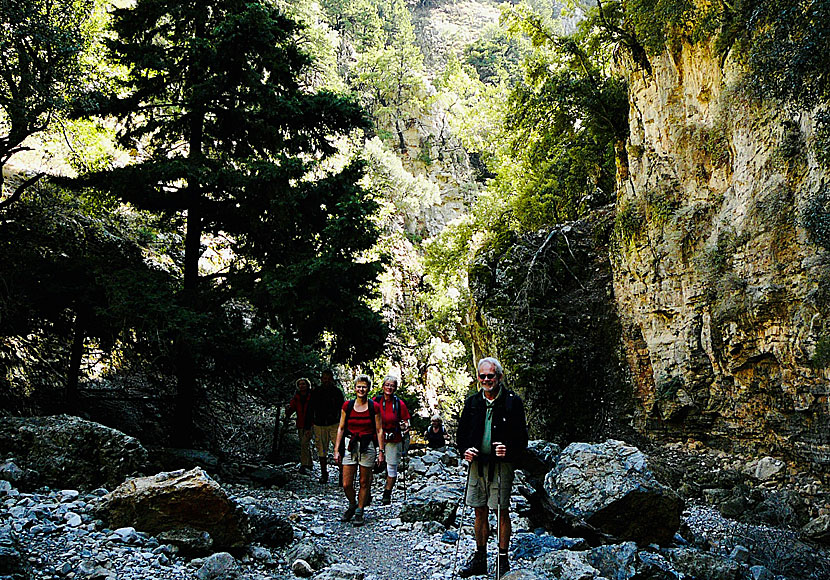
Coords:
pixel 392 452
pixel 365 459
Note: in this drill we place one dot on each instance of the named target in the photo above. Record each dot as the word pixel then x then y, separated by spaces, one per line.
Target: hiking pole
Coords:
pixel 498 517
pixel 461 519
pixel 403 478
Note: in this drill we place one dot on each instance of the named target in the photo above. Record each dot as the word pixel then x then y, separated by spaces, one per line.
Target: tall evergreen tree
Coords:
pixel 231 144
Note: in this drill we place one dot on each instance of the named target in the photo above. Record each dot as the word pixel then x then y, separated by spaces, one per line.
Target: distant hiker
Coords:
pixel 395 417
pixel 435 433
pixel 359 442
pixel 301 404
pixel 327 401
pixel 492 432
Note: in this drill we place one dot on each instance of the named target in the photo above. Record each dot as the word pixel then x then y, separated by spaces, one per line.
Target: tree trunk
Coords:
pixel 183 428
pixel 76 357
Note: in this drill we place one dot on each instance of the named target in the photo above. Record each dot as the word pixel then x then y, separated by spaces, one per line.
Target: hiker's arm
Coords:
pixel 340 429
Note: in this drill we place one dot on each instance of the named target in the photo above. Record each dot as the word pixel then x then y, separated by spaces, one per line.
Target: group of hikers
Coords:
pixel 371 432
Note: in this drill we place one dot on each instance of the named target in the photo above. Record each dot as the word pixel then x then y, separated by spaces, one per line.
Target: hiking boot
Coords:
pixel 504 565
pixel 349 513
pixel 387 497
pixel 476 565
pixel 358 518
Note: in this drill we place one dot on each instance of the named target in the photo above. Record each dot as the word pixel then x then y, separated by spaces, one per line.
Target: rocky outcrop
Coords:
pixel 65 451
pixel 611 487
pixel 175 501
pixel 720 288
pixel 544 300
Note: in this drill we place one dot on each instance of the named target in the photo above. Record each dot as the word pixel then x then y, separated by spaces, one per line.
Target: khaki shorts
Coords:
pixel 392 452
pixel 483 492
pixel 366 459
pixel 323 435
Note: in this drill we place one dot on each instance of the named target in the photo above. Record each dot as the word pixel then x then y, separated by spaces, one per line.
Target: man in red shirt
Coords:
pixel 300 404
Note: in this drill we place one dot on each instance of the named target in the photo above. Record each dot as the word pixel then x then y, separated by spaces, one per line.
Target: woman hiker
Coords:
pixel 435 433
pixel 395 418
pixel 360 443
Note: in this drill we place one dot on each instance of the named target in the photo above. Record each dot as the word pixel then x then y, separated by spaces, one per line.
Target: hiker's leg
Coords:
pixel 482 526
pixel 393 459
pixel 348 472
pixel 365 485
pixel 305 448
pixel 505 530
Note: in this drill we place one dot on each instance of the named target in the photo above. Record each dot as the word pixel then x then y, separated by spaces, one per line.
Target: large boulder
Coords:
pixel 437 503
pixel 174 501
pixel 610 486
pixel 67 451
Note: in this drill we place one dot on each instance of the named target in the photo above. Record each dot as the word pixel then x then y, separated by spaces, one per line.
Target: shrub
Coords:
pixel 821 142
pixel 821 356
pixel 815 218
pixel 629 222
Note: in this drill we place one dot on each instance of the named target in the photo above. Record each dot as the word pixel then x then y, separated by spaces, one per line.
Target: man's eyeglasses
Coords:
pixel 487 376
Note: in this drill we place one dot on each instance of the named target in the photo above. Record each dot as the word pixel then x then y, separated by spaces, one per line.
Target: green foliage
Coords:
pixel 792 142
pixel 41 68
pixel 494 56
pixel 713 142
pixel 661 23
pixel 661 206
pixel 821 356
pixel 786 44
pixel 668 387
pixel 71 266
pixel 815 218
pixel 562 125
pixel 629 222
pixel 821 142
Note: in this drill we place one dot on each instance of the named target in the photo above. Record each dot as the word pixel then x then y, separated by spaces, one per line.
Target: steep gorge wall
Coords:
pixel 721 294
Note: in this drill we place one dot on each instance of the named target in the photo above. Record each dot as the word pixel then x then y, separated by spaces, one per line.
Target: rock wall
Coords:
pixel 544 306
pixel 720 291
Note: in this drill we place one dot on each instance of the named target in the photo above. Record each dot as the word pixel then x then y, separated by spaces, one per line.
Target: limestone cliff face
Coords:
pixel 720 291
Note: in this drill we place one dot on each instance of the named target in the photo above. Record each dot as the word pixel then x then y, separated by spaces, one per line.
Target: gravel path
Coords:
pixel 384 548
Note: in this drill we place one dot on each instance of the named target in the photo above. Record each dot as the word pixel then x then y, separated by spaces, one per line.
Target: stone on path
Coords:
pixel 174 501
pixel 220 566
pixel 611 487
pixel 342 571
pixel 818 529
pixel 311 553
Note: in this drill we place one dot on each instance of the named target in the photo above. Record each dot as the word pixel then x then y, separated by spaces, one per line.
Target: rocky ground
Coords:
pixel 56 535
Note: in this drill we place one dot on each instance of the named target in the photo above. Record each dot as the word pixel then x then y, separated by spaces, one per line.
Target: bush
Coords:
pixel 815 218
pixel 629 222
pixel 821 356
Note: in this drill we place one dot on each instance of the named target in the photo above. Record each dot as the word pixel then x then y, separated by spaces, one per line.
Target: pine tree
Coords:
pixel 230 143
